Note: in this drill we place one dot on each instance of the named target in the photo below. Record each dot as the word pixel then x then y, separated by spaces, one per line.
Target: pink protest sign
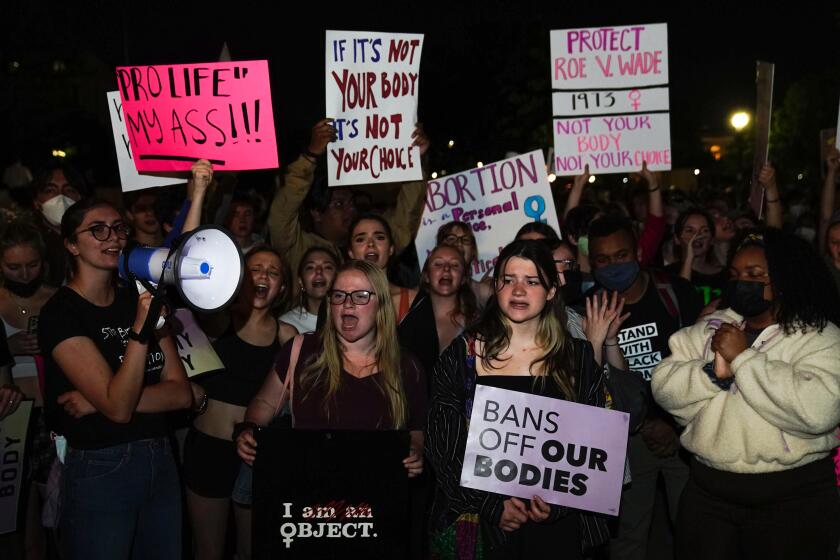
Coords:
pixel 178 113
pixel 566 453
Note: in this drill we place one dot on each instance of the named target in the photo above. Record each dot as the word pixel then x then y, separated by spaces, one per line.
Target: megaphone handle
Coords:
pixel 153 319
pixel 141 289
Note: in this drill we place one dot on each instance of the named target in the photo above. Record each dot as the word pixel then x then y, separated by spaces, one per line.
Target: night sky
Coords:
pixel 484 76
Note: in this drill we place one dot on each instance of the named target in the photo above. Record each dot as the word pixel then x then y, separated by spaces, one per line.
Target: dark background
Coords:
pixel 484 74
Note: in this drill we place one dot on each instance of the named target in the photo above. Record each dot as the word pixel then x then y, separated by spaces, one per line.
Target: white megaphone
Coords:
pixel 205 266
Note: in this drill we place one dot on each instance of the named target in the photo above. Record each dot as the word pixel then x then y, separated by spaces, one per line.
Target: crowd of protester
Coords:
pixel 714 329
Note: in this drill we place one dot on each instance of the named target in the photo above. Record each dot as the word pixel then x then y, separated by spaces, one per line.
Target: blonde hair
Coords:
pixel 326 369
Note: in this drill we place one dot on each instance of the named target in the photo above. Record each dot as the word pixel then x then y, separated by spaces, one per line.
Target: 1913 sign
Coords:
pixel 336 494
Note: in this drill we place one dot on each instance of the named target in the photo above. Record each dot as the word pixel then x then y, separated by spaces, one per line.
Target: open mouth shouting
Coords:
pixel 261 290
pixel 372 257
pixel 349 321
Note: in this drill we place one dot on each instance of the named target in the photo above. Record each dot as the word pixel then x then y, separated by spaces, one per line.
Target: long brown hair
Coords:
pixel 466 305
pixel 325 371
pixel 493 328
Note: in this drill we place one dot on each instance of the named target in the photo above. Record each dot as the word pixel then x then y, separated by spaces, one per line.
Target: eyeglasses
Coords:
pixel 102 232
pixel 452 239
pixel 358 297
pixel 569 264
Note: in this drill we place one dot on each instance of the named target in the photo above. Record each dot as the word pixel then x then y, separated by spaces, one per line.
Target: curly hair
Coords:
pixel 802 285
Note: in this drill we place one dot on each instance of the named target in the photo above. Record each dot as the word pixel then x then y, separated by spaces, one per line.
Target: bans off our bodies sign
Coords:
pixel 566 453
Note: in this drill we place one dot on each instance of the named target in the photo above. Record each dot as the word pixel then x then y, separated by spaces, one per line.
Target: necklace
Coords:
pixel 21 309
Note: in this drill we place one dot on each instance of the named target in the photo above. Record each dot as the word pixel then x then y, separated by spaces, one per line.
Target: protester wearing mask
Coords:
pixel 21 299
pixel 758 390
pixel 53 192
pixel 659 305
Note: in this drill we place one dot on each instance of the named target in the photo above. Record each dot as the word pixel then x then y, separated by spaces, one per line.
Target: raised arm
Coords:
pixel 202 176
pixel 577 190
pixel 654 229
pixel 405 217
pixel 829 192
pixel 767 178
pixel 284 215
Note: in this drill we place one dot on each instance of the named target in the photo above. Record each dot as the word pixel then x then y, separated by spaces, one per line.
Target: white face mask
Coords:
pixel 54 209
pixel 797 210
pixel 807 233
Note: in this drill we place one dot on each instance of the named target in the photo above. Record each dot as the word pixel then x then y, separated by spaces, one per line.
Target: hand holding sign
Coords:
pixel 10 397
pixel 514 515
pixel 201 176
pixel 322 134
pixel 420 139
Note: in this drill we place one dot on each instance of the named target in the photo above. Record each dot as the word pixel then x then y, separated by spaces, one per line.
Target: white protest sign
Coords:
pixel 612 144
pixel 194 347
pixel 130 179
pixel 609 57
pixel 495 200
pixel 606 74
pixel 566 453
pixel 372 87
pixel 13 430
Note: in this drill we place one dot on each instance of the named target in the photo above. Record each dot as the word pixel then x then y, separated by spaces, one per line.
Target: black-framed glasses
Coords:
pixel 102 232
pixel 463 240
pixel 570 264
pixel 358 297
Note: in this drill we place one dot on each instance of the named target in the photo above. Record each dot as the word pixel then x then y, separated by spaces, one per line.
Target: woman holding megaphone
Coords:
pixel 109 379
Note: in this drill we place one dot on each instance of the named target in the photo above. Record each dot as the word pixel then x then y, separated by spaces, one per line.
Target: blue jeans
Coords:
pixel 121 502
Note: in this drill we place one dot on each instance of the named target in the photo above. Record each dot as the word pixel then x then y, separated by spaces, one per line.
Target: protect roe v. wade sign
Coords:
pixel 372 86
pixel 526 445
pixel 178 113
pixel 613 107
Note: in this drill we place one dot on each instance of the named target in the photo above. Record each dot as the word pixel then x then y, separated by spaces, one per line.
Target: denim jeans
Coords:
pixel 121 502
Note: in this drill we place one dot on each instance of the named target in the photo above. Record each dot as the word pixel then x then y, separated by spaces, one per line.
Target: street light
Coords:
pixel 739 120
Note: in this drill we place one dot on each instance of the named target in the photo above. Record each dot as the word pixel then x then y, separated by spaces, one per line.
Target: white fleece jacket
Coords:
pixel 782 410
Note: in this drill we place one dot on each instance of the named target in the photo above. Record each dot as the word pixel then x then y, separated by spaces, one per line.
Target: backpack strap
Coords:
pixel 665 289
pixel 289 381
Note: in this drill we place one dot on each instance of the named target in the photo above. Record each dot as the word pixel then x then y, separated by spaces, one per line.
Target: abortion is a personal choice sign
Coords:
pixel 527 445
pixel 495 200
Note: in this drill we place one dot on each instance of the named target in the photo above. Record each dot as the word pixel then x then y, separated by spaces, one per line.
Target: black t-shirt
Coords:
pixel 709 286
pixel 68 315
pixel 6 358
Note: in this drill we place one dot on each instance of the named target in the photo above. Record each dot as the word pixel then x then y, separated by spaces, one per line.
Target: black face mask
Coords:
pixel 571 289
pixel 746 297
pixel 22 290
